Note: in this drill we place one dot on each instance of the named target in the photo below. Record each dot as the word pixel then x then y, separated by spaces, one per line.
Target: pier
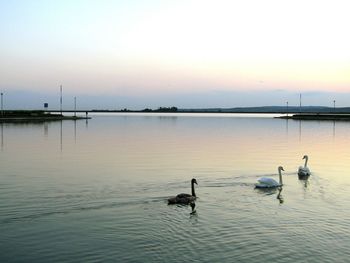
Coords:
pixel 318 117
pixel 35 116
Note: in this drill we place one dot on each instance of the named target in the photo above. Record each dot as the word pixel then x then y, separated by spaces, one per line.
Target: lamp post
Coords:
pixel 2 104
pixel 300 103
pixel 61 99
pixel 334 105
pixel 75 106
pixel 287 109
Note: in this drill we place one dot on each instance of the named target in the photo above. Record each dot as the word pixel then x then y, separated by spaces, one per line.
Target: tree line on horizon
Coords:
pixel 162 109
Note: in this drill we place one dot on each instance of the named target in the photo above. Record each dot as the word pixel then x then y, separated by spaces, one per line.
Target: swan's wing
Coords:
pixel 183 196
pixel 267 181
pixel 185 199
pixel 181 199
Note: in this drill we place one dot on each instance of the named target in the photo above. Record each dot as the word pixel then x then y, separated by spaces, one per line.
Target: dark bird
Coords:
pixel 184 198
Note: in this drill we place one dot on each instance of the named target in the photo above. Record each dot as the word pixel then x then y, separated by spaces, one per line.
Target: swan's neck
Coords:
pixel 192 187
pixel 306 159
pixel 280 175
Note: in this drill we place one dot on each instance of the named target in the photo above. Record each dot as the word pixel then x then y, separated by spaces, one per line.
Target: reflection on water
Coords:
pixel 2 136
pixel 75 131
pixel 193 207
pixel 102 193
pixel 46 129
pixel 272 192
pixel 304 180
pixel 319 122
pixel 61 136
pixel 279 195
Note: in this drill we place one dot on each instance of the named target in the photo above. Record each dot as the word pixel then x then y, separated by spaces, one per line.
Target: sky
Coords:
pixel 187 53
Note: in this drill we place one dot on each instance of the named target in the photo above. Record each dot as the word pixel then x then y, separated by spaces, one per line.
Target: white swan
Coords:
pixel 265 182
pixel 184 198
pixel 304 170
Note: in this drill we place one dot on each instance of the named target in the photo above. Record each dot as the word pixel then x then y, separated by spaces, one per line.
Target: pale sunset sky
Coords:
pixel 184 53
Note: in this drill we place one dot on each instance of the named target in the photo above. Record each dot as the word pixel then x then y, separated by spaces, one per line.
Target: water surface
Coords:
pixel 96 191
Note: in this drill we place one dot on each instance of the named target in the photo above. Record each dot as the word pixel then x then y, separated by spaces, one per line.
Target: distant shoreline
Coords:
pixel 307 113
pixel 254 110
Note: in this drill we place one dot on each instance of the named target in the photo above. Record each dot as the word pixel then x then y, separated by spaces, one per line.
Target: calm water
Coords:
pixel 96 191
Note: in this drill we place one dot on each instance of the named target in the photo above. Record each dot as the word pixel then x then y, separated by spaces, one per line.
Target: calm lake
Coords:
pixel 96 190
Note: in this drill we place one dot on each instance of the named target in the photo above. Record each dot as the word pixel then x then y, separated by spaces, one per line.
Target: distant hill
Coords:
pixel 273 109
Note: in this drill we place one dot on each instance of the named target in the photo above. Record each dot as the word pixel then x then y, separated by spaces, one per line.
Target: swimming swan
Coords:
pixel 304 171
pixel 184 198
pixel 265 182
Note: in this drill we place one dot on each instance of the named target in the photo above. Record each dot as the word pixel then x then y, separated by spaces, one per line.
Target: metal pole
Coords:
pixel 300 103
pixel 61 99
pixel 75 106
pixel 287 109
pixel 334 105
pixel 2 105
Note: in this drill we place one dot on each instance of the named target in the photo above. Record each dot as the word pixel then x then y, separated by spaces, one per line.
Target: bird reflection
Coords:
pixel 272 191
pixel 279 195
pixel 304 179
pixel 193 207
pixel 266 191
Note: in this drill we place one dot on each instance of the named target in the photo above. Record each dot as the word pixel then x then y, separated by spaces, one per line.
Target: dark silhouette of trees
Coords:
pixel 167 109
pixel 161 109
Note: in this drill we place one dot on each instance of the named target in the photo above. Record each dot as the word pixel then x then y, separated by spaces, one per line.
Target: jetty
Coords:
pixel 318 116
pixel 35 116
